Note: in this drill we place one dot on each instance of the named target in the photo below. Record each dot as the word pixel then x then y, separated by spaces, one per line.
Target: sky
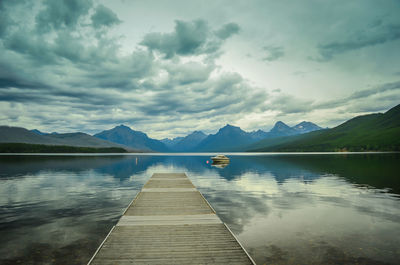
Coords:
pixel 168 68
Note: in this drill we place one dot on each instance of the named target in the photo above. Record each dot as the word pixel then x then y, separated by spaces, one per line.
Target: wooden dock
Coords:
pixel 170 222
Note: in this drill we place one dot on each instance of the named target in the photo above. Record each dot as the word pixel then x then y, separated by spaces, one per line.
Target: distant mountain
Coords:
pixel 38 132
pixel 171 142
pixel 227 138
pixel 281 129
pixel 42 133
pixel 22 135
pixel 232 138
pixel 135 139
pixel 183 144
pixel 258 135
pixel 190 142
pixel 373 132
pixel 306 127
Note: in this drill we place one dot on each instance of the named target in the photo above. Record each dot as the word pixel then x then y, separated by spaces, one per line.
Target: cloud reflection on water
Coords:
pixel 284 209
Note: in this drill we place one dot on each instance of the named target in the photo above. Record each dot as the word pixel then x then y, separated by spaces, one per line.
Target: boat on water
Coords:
pixel 220 159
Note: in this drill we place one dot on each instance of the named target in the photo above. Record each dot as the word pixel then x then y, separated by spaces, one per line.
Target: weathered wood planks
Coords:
pixel 170 222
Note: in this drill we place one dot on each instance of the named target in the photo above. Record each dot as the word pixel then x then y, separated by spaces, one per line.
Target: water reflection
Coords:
pixel 322 209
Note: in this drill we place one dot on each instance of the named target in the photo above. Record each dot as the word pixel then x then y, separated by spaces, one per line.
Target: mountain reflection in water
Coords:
pixel 285 209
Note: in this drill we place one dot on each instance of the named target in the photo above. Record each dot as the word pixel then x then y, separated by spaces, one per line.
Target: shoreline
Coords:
pixel 200 153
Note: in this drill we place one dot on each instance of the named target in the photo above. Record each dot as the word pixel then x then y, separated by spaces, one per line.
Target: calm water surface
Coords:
pixel 285 209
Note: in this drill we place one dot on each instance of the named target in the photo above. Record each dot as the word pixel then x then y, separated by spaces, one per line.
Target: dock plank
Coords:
pixel 168 183
pixel 170 222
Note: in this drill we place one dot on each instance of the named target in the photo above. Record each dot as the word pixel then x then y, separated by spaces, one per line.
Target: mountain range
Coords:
pixel 187 143
pixel 232 138
pixel 134 139
pixel 363 133
pixel 228 138
pixel 372 132
pixel 9 135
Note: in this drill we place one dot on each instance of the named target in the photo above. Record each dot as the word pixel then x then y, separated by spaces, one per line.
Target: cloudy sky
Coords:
pixel 170 67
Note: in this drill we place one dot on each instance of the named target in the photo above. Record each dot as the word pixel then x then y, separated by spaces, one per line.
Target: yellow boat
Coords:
pixel 220 159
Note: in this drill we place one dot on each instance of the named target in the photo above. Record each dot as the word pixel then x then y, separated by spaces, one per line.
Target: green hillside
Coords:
pixel 373 132
pixel 41 148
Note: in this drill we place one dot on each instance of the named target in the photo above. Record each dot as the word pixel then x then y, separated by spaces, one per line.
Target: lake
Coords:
pixel 284 208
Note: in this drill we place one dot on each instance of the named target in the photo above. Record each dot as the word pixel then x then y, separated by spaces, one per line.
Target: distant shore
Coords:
pixel 41 148
pixel 23 148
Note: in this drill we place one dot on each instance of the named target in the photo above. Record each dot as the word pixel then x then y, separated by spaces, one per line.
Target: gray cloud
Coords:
pixel 225 94
pixel 288 104
pixel 374 35
pixel 376 90
pixel 104 16
pixel 359 95
pixel 15 73
pixel 25 97
pixel 273 53
pixel 227 30
pixel 7 81
pixel 32 47
pixel 73 44
pixel 6 8
pixel 189 38
pixel 191 72
pixel 57 14
pixel 121 74
pixel 68 69
pixel 4 19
